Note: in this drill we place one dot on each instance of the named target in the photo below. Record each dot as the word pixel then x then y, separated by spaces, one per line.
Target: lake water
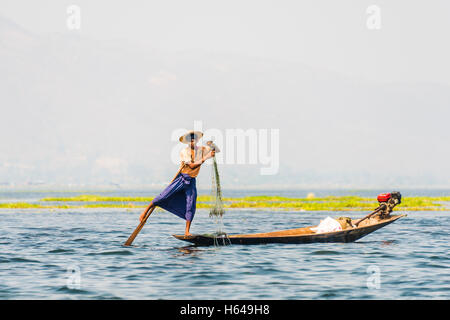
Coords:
pixel 78 254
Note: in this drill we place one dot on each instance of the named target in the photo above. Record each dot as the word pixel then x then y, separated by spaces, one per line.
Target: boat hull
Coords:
pixel 347 235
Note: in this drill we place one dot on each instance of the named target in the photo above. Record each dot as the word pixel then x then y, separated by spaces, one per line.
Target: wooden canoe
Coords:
pixel 293 236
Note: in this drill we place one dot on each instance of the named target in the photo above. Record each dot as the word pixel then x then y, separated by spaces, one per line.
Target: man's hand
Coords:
pixel 209 155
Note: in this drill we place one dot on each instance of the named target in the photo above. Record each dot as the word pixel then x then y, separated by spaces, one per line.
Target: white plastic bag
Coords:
pixel 327 225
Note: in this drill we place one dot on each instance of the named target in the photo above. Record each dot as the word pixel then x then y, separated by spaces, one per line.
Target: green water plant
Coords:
pixel 334 203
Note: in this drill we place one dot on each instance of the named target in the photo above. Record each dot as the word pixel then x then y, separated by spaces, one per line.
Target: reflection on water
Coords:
pixel 388 243
pixel 189 250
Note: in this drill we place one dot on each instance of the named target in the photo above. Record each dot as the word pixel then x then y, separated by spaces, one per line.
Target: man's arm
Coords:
pixel 209 154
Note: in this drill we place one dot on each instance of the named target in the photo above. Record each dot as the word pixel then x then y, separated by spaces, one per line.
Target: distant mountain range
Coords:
pixel 80 111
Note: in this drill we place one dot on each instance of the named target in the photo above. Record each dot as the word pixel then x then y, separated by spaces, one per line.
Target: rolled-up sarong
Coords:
pixel 179 197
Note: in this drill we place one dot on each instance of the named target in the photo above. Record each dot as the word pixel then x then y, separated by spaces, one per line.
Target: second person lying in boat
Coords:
pixel 180 196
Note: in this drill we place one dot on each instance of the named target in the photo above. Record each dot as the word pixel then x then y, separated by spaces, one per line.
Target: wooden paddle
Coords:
pixel 148 212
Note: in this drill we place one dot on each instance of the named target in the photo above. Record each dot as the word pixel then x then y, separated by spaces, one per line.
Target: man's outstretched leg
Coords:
pixel 142 216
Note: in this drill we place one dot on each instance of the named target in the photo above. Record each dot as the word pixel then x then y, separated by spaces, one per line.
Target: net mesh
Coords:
pixel 216 212
pixel 217 209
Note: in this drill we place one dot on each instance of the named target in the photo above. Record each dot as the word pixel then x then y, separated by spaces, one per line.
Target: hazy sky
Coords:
pixel 410 46
pixel 353 106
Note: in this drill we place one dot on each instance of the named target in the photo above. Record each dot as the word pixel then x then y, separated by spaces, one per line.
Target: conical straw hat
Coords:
pixel 186 138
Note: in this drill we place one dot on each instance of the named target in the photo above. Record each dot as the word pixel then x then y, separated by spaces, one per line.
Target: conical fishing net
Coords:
pixel 216 210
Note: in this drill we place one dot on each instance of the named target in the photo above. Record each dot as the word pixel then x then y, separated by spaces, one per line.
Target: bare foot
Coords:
pixel 188 234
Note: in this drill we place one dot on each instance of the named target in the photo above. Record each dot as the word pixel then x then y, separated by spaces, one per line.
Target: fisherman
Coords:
pixel 180 196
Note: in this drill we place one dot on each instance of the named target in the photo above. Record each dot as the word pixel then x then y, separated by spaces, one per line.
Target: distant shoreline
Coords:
pixel 311 203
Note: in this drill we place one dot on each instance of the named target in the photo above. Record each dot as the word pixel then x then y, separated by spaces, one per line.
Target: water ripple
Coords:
pixel 85 248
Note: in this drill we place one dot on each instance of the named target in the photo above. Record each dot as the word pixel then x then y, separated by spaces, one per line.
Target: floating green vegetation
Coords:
pixel 96 198
pixel 20 205
pixel 332 203
pixel 25 205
